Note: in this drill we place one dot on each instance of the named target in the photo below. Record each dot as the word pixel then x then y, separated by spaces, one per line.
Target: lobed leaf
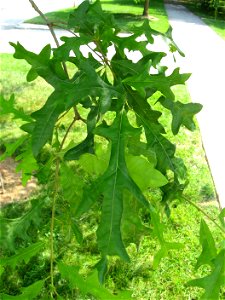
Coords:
pixel 24 254
pixel 213 282
pixel 90 285
pixel 159 82
pixel 8 107
pixel 182 113
pixel 209 251
pixel 28 293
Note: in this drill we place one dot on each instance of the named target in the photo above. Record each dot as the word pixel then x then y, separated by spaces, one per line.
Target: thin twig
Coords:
pixel 2 183
pixel 49 24
pixel 35 7
pixel 204 213
pixel 67 132
pixel 217 196
pixel 52 255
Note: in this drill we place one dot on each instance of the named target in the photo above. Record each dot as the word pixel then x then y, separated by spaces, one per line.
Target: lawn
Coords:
pixel 168 281
pixel 218 24
pixel 126 12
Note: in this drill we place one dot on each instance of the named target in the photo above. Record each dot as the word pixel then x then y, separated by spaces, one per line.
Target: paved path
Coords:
pixel 32 37
pixel 205 59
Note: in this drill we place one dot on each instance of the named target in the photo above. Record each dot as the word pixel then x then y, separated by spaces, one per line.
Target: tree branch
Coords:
pixel 49 24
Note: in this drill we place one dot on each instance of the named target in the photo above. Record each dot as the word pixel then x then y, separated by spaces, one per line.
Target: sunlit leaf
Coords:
pixel 213 282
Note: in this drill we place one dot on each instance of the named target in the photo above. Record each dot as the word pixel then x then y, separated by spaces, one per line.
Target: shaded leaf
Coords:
pixel 24 254
pixel 27 164
pixel 90 285
pixel 86 146
pixel 9 107
pixel 132 227
pixel 102 268
pixel 27 293
pixel 12 147
pixel 11 230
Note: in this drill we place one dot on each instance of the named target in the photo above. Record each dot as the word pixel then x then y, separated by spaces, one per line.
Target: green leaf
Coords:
pixel 8 107
pixel 27 164
pixel 112 184
pixel 213 282
pixel 159 82
pixel 32 75
pixel 77 231
pixel 68 179
pixel 12 147
pixel 71 44
pixel 132 227
pixel 86 146
pixel 11 230
pixel 102 268
pixel 172 191
pixel 126 67
pixel 182 113
pixel 208 246
pixel 164 252
pixel 95 164
pixel 137 166
pixel 90 285
pixel 88 18
pixel 165 246
pixel 147 30
pixel 24 254
pixel 46 118
pixel 162 147
pixel 173 46
pixel 222 217
pixel 28 293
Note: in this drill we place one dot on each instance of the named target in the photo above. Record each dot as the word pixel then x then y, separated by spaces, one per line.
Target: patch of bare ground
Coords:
pixel 11 188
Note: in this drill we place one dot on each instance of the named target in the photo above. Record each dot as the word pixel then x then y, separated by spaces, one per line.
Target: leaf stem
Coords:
pixel 207 161
pixel 52 256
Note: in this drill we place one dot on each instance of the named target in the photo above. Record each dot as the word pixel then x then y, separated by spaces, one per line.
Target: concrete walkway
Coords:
pixel 205 59
pixel 32 37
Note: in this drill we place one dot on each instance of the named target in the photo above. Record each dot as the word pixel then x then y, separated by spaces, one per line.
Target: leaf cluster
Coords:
pixel 123 152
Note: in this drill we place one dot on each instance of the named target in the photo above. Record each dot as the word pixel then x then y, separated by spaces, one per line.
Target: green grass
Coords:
pixel 218 25
pixel 28 95
pixel 167 282
pixel 126 12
